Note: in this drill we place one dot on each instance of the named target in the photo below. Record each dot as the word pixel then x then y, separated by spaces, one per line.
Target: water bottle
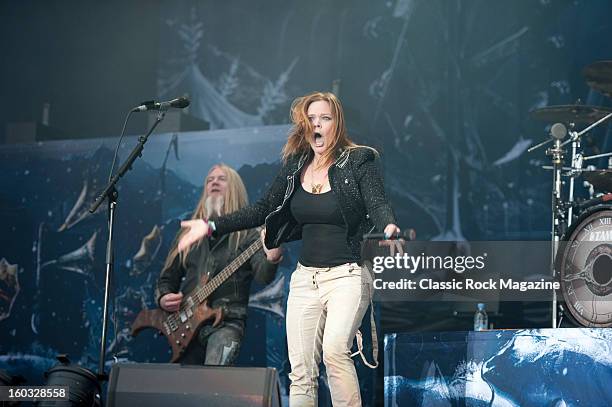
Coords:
pixel 481 320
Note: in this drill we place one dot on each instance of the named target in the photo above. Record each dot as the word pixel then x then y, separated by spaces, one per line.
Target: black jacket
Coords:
pixel 356 182
pixel 210 257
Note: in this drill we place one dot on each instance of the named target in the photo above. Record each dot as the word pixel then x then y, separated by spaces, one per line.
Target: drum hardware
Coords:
pixel 577 161
pixel 558 131
pixel 590 188
pixel 584 260
pixel 550 167
pixel 600 180
pixel 560 314
pixel 594 157
pixel 595 180
pixel 577 157
pixel 570 114
pixel 576 135
pixel 593 201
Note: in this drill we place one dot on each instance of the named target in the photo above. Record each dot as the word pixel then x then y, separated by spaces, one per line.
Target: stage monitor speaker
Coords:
pixel 153 384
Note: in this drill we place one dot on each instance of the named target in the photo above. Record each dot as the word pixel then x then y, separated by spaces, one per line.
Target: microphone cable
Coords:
pixel 127 118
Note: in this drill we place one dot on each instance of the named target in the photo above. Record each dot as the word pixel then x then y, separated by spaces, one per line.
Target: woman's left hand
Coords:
pixel 392 230
pixel 394 245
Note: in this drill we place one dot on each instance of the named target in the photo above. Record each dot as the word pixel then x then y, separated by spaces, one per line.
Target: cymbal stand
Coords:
pixel 594 157
pixel 586 130
pixel 542 144
pixel 556 152
pixel 576 170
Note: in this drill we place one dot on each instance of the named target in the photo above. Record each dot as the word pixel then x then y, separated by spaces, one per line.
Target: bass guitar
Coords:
pixel 181 327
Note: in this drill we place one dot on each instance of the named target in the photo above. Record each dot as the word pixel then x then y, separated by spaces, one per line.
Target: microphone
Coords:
pixel 179 103
pixel 408 234
pixel 558 131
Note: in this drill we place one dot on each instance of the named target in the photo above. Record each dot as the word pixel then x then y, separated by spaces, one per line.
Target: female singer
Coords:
pixel 328 193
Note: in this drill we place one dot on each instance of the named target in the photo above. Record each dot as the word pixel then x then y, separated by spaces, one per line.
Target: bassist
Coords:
pixel 224 192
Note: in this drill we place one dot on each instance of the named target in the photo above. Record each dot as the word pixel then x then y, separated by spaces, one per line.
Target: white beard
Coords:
pixel 214 206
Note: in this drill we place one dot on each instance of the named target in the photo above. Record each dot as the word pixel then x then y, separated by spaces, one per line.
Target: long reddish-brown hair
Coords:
pixel 302 129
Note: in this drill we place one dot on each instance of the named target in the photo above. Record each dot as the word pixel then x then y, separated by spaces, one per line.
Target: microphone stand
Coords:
pixel 110 193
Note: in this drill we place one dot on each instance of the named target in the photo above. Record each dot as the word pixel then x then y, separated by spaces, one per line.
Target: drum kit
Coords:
pixel 581 250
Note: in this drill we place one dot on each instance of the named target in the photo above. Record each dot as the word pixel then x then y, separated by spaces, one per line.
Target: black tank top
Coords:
pixel 323 229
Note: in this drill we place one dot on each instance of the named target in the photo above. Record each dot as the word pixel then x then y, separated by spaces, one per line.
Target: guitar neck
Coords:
pixel 204 292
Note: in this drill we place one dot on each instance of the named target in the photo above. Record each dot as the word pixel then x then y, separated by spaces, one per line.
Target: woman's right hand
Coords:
pixel 171 302
pixel 198 230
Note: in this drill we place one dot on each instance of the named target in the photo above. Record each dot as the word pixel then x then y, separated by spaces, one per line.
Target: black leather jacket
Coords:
pixel 210 257
pixel 356 182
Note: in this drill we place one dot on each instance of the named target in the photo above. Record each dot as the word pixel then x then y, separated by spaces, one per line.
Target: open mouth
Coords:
pixel 318 140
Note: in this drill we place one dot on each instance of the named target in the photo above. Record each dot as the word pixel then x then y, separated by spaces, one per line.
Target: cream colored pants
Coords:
pixel 324 310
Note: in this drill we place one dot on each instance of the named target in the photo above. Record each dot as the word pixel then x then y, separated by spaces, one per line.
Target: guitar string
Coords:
pixel 212 285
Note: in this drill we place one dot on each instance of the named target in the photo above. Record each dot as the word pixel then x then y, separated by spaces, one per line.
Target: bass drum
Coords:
pixel 584 267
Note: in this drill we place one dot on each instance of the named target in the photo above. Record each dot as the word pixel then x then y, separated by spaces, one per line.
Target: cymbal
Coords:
pixel 570 113
pixel 599 76
pixel 600 179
